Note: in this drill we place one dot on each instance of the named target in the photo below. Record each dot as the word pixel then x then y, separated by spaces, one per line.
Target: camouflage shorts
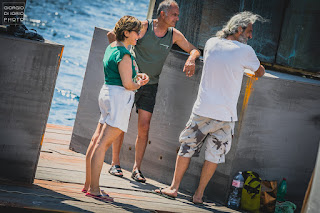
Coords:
pixel 217 134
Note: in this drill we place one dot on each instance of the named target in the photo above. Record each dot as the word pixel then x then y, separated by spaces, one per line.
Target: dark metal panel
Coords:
pixel 299 46
pixel 189 23
pixel 214 15
pixel 294 21
pixel 189 18
pixel 265 35
pixel 156 5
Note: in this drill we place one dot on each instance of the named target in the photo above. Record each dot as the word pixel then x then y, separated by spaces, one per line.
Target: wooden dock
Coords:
pixel 60 176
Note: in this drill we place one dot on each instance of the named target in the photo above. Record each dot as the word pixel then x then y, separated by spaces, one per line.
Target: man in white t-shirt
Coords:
pixel 215 110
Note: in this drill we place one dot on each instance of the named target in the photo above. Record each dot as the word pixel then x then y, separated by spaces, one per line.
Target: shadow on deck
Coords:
pixel 60 176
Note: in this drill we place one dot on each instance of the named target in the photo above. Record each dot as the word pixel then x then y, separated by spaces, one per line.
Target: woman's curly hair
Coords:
pixel 126 23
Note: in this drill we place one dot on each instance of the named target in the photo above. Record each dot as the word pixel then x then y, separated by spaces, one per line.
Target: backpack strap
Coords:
pixel 252 190
pixel 255 179
pixel 256 174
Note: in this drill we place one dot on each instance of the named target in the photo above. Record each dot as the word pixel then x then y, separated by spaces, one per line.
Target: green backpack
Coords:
pixel 250 199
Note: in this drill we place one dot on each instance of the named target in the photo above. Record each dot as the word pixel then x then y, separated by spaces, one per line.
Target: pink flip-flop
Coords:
pixel 104 198
pixel 85 191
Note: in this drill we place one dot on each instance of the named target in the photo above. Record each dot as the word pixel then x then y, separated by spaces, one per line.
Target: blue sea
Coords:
pixel 71 23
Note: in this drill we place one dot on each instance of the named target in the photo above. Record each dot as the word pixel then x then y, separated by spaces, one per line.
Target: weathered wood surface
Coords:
pixel 59 180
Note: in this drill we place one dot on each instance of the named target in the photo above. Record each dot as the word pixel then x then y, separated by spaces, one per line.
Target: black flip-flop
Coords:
pixel 136 175
pixel 164 195
pixel 114 170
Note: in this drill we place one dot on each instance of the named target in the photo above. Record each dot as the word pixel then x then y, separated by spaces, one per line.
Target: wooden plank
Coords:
pixel 51 127
pixel 307 195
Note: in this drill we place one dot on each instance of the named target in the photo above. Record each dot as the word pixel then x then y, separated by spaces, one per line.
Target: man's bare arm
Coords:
pixel 260 72
pixel 183 43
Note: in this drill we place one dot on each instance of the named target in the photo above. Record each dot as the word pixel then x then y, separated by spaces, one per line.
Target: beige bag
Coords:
pixel 268 196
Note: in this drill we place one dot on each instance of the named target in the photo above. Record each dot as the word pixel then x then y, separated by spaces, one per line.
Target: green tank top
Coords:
pixel 151 52
pixel 112 56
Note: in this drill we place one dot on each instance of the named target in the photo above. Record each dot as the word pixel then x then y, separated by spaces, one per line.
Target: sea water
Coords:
pixel 71 23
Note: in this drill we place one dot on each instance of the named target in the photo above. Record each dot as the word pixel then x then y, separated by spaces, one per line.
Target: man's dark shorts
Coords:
pixel 145 98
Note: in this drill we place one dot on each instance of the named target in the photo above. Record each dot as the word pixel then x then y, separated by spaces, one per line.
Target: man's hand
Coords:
pixel 183 43
pixel 189 67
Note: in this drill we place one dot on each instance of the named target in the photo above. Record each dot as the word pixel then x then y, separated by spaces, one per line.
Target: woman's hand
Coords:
pixel 125 70
pixel 142 79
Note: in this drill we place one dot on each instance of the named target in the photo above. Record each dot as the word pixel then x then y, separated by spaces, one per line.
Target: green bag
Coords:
pixel 250 199
pixel 285 207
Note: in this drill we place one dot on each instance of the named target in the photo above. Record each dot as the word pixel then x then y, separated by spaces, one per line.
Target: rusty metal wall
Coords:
pixel 290 38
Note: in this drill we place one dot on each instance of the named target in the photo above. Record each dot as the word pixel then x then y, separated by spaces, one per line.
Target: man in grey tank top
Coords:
pixel 155 41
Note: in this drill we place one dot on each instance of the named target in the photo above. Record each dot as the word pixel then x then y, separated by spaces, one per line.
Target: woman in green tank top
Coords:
pixel 115 100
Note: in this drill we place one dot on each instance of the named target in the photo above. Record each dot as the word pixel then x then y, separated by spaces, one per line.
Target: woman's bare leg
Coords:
pixel 89 155
pixel 107 136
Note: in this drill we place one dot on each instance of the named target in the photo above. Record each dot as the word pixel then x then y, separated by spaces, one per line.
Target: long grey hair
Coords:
pixel 242 19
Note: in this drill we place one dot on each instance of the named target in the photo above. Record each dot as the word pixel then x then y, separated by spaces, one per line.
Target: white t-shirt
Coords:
pixel 222 73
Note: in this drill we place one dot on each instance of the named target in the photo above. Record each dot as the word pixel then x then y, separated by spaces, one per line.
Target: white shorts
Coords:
pixel 217 134
pixel 115 104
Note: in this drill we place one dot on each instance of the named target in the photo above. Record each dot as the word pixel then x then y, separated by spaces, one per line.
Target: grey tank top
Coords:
pixel 151 52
